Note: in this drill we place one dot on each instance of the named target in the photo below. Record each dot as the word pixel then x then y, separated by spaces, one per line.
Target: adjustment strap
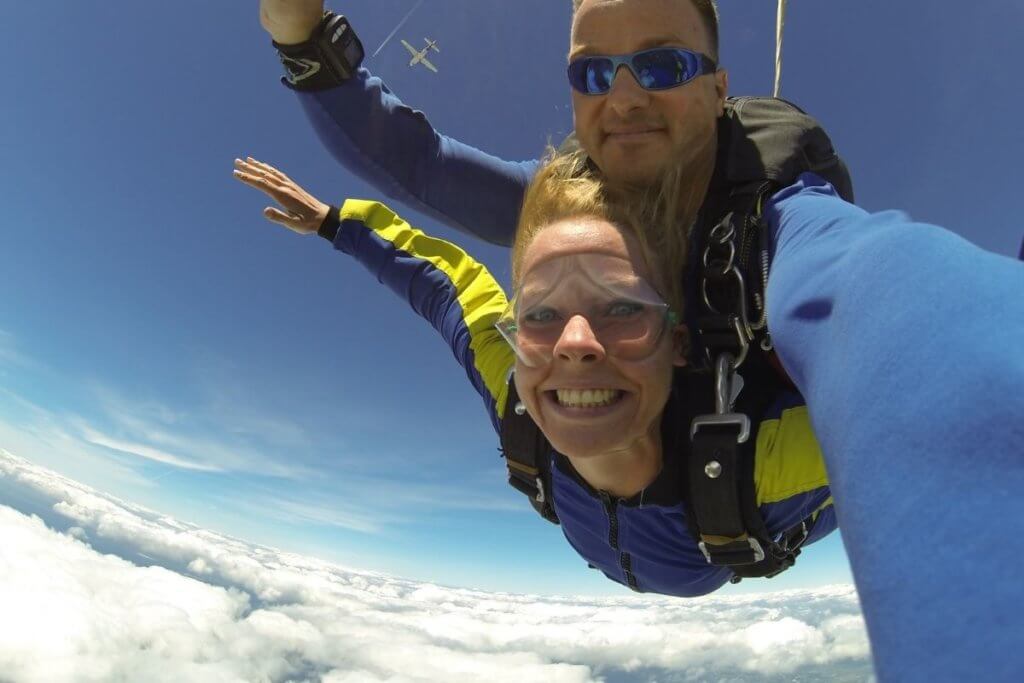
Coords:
pixel 779 556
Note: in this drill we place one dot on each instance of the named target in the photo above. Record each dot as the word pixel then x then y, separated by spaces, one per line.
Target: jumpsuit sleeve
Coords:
pixel 906 341
pixel 394 148
pixel 441 283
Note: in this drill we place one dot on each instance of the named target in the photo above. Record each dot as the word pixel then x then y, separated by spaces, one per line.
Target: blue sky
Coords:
pixel 161 342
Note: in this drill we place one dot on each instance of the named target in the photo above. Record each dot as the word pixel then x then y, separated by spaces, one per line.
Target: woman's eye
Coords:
pixel 540 316
pixel 620 309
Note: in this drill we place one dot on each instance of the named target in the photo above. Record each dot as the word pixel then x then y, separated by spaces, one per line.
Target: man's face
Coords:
pixel 633 134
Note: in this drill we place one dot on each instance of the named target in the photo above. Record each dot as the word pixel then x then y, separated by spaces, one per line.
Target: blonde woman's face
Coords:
pixel 587 396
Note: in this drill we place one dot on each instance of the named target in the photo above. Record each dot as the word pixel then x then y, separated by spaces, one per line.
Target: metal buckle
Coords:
pixel 723 393
pixel 751 541
pixel 540 491
pixel 723 420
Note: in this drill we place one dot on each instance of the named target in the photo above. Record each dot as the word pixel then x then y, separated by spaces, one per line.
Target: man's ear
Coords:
pixel 721 89
pixel 680 345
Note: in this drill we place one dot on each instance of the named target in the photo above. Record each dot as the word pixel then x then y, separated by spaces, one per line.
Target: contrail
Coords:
pixel 392 34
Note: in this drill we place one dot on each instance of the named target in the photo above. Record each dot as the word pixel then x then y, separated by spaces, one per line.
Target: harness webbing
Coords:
pixel 763 144
pixel 527 455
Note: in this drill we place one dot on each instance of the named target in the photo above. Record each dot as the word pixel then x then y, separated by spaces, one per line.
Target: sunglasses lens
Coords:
pixel 591 75
pixel 664 68
pixel 657 69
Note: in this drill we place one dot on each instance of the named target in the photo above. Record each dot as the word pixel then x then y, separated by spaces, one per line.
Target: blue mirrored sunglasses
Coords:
pixel 657 69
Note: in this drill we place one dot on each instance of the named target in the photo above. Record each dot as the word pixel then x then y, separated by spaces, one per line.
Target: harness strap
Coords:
pixel 527 455
pixel 720 467
pixel 722 505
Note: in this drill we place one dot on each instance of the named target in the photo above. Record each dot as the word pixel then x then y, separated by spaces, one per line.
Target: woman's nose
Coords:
pixel 578 342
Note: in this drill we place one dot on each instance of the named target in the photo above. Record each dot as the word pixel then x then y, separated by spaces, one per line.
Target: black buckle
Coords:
pixel 738 552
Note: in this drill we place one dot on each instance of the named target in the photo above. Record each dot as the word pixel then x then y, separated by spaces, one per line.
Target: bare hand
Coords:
pixel 290 21
pixel 303 212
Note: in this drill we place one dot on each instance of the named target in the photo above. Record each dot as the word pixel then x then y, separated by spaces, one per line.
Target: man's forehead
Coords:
pixel 601 24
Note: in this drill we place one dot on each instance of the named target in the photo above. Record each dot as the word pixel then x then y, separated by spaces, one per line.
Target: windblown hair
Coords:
pixel 567 186
pixel 708 10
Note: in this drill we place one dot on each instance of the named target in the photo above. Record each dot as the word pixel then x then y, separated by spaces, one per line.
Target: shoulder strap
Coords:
pixel 527 455
pixel 767 138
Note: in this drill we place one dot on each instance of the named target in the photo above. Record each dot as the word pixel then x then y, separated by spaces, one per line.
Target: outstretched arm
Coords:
pixel 394 148
pixel 443 284
pixel 906 342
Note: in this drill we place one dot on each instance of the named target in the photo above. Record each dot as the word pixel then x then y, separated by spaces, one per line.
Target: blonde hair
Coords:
pixel 568 186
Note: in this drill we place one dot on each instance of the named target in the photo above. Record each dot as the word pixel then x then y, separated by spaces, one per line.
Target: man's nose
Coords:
pixel 578 342
pixel 626 94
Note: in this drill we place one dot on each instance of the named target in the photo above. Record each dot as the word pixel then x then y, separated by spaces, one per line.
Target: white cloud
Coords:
pixel 200 433
pixel 144 451
pixel 142 427
pixel 219 609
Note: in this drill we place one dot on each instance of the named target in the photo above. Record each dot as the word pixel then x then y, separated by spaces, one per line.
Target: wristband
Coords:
pixel 327 59
pixel 330 225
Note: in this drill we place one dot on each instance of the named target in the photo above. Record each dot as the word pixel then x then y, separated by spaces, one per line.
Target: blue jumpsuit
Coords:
pixel 642 542
pixel 906 341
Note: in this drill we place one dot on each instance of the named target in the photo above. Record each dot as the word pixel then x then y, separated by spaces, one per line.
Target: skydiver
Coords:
pixel 897 338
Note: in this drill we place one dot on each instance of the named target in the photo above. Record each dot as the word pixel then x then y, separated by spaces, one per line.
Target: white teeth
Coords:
pixel 586 398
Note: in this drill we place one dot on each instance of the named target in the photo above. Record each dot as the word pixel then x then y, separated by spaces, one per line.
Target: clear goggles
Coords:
pixel 622 311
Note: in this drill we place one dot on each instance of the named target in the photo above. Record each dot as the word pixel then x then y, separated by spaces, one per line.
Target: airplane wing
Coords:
pixel 426 62
pixel 411 49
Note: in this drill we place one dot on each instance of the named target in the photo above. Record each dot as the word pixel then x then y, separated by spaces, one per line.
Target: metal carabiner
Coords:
pixel 724 368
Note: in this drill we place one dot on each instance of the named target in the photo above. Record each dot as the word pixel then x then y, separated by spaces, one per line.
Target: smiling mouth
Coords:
pixel 587 398
pixel 632 134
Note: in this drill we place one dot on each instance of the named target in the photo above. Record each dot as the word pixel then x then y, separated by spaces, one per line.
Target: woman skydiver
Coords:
pixel 919 412
pixel 594 336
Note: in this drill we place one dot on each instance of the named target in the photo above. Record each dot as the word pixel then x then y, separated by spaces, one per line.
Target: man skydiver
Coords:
pixel 929 505
pixel 630 132
pixel 639 131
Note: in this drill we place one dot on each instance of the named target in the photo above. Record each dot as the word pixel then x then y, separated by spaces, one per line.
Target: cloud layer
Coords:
pixel 123 593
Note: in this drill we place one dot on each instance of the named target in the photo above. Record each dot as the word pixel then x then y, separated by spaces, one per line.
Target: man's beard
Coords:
pixel 677 189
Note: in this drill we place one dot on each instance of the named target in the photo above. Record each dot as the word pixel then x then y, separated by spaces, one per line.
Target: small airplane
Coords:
pixel 420 56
